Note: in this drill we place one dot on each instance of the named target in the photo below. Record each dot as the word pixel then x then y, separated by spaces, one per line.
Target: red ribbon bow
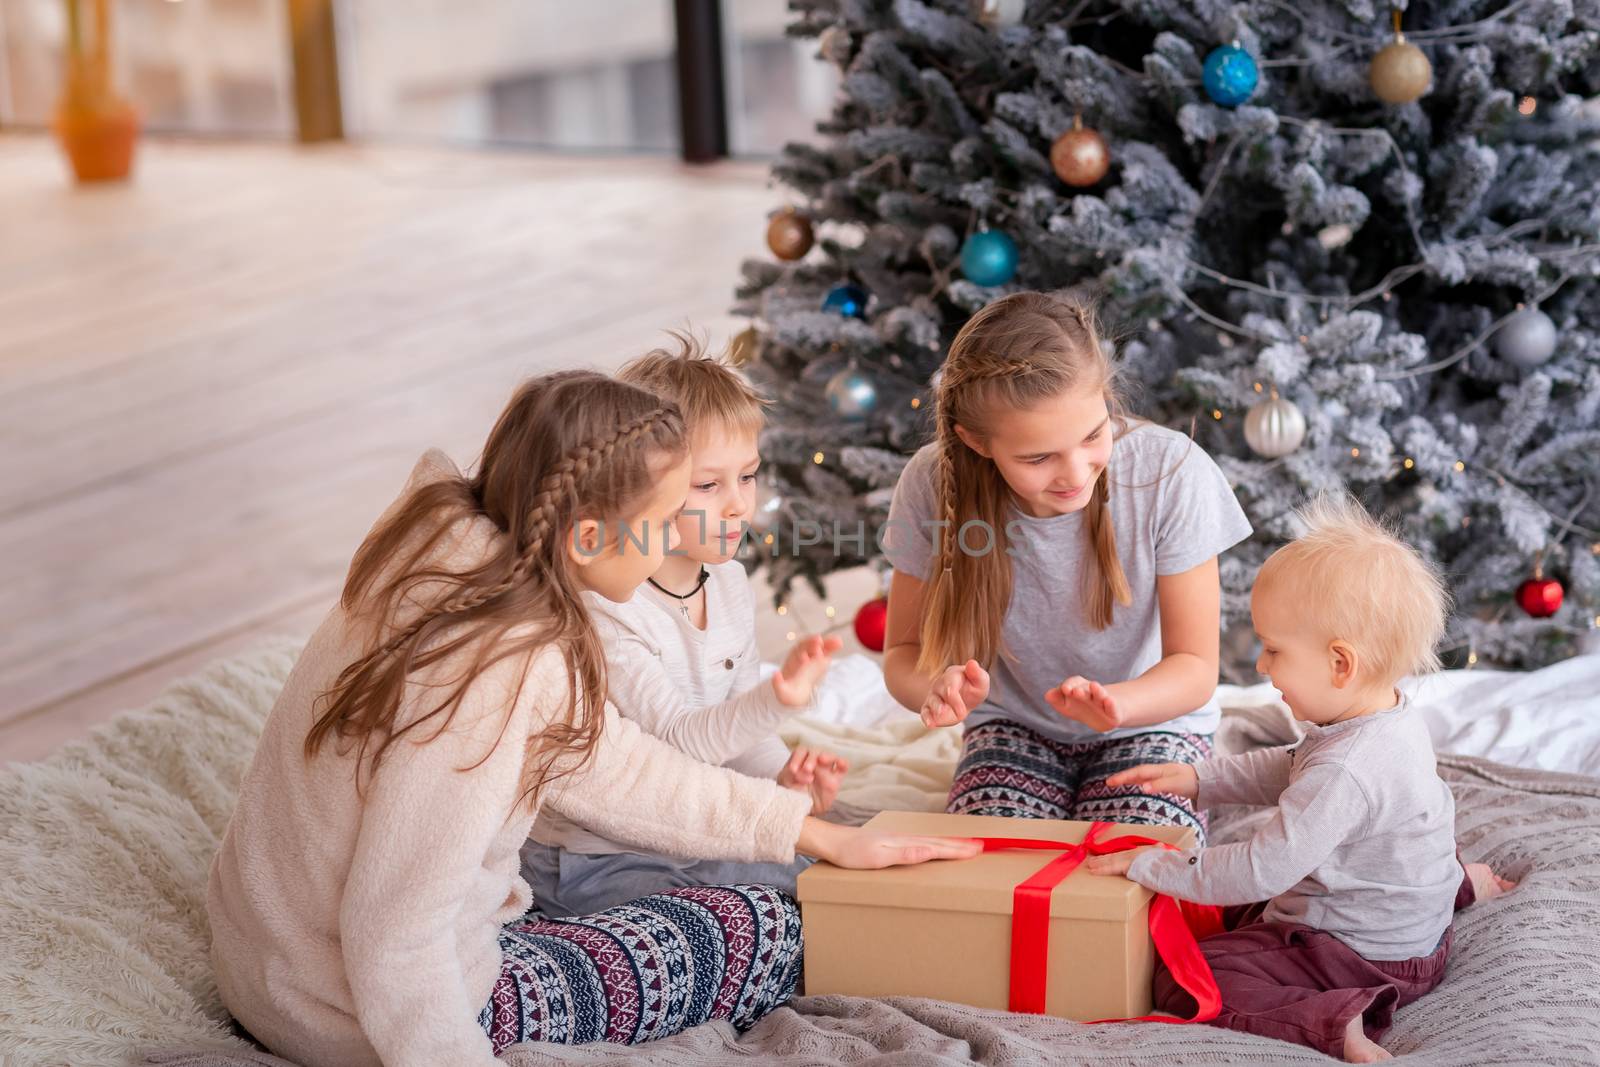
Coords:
pixel 1175 926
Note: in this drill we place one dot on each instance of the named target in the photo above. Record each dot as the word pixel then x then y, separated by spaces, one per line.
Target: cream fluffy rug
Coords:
pixel 105 848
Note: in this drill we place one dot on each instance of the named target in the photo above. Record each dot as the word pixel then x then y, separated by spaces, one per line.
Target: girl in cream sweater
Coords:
pixel 365 903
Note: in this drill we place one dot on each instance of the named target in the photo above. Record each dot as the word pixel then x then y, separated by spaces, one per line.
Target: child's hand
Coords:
pixel 1115 863
pixel 819 773
pixel 1087 702
pixel 958 690
pixel 1178 779
pixel 804 667
pixel 1487 883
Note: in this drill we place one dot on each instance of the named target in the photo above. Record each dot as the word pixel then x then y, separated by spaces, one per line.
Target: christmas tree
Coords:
pixel 1347 245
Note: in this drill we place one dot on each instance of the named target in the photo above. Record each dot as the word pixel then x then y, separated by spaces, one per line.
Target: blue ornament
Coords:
pixel 847 300
pixel 1230 75
pixel 851 394
pixel 989 258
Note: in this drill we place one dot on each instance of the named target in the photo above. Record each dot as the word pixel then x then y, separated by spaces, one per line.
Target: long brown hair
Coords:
pixel 1014 353
pixel 568 446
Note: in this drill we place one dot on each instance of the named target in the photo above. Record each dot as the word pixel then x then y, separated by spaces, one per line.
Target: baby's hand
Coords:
pixel 1178 779
pixel 804 667
pixel 1115 863
pixel 958 690
pixel 1087 702
pixel 819 773
pixel 1487 883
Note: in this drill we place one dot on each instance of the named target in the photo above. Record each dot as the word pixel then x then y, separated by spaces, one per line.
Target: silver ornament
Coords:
pixel 998 14
pixel 1274 427
pixel 852 395
pixel 1527 339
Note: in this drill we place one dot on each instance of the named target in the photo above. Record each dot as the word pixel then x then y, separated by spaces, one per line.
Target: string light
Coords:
pixel 1472 659
pixel 1527 105
pixel 783 609
pixel 768 539
pixel 829 610
pixel 916 402
pixel 817 459
pixel 1258 387
pixel 1410 463
pixel 1355 453
pixel 791 635
pixel 1460 466
pixel 1216 413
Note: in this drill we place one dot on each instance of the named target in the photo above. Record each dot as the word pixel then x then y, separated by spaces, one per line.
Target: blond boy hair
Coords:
pixel 711 395
pixel 1361 584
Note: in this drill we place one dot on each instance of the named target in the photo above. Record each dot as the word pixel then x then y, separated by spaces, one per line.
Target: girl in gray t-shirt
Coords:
pixel 1055 582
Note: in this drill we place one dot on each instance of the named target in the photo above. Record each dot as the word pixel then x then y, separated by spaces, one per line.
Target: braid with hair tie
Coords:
pixel 561 483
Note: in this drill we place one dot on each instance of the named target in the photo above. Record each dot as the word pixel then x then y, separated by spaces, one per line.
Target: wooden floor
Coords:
pixel 213 378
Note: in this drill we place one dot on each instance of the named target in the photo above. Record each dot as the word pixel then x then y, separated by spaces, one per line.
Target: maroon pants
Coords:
pixel 1299 984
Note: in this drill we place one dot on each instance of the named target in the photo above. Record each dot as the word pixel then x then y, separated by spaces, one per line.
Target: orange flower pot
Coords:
pixel 97 127
pixel 98 133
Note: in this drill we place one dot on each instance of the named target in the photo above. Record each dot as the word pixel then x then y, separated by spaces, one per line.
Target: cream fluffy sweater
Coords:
pixel 354 931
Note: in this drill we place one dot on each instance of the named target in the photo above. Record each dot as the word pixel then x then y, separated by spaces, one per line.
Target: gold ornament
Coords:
pixel 1400 72
pixel 745 348
pixel 1080 156
pixel 834 46
pixel 789 234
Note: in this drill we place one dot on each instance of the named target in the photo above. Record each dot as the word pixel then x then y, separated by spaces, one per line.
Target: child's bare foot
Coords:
pixel 1486 885
pixel 1359 1048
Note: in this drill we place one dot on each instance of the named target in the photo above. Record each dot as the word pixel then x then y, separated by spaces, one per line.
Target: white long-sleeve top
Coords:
pixel 1361 844
pixel 698 690
pixel 357 930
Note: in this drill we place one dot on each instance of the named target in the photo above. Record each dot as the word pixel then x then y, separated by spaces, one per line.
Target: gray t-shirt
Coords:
pixel 1361 844
pixel 1171 509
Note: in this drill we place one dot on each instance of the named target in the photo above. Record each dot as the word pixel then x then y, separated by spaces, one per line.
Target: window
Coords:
pixel 539 73
pixel 778 88
pixel 193 66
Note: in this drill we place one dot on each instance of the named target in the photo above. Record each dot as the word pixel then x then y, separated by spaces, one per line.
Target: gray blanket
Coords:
pixel 1523 987
pixel 103 938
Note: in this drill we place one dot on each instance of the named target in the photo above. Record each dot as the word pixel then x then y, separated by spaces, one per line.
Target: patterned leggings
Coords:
pixel 1008 769
pixel 646 969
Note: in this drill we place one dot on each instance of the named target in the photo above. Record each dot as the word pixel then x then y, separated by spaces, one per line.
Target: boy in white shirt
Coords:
pixel 1358 866
pixel 681 656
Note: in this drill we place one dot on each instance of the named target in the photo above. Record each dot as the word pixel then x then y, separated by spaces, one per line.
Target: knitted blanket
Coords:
pixel 103 939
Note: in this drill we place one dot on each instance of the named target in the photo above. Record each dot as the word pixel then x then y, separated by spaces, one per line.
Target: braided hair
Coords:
pixel 571 445
pixel 1014 353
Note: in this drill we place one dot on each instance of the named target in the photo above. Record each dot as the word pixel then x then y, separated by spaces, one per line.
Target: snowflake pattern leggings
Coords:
pixel 646 969
pixel 1008 769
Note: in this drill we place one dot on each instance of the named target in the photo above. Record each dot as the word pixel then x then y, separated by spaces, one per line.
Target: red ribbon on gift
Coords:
pixel 1175 926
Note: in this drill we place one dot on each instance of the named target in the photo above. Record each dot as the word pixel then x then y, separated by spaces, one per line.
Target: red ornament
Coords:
pixel 1540 597
pixel 872 623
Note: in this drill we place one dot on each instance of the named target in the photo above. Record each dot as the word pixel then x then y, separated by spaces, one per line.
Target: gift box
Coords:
pixel 945 929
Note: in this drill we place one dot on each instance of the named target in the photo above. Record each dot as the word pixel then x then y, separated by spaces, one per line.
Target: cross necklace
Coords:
pixel 684 598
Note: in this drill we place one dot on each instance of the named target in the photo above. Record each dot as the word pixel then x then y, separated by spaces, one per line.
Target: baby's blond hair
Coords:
pixel 1360 583
pixel 711 395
